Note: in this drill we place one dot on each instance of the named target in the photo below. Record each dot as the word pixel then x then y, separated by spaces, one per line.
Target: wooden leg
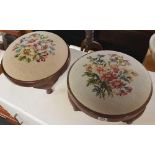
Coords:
pixel 129 122
pixel 49 90
pixel 46 85
pixel 131 119
pixel 75 108
pixel 73 105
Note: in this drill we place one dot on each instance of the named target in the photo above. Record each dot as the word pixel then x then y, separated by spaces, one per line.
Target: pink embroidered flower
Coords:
pixel 117 83
pixel 108 76
pixel 99 70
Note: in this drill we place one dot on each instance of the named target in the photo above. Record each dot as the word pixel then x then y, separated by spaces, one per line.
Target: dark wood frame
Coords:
pixel 127 118
pixel 8 117
pixel 45 83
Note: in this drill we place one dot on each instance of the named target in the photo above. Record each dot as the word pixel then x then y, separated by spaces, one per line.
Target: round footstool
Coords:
pixel 36 60
pixel 109 85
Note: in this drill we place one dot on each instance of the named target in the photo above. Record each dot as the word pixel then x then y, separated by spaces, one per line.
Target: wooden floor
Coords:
pixel 148 62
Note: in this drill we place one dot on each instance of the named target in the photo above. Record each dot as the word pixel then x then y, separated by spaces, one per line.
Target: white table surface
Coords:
pixel 55 108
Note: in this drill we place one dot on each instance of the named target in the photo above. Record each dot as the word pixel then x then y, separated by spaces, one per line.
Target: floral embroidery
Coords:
pixel 35 47
pixel 109 78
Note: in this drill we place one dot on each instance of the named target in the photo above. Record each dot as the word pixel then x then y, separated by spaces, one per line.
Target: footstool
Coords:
pixel 36 60
pixel 109 85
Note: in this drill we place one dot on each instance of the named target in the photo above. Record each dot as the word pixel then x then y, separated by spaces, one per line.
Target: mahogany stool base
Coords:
pixel 128 119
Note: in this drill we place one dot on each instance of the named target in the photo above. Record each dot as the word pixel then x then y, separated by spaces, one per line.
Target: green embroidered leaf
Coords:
pixel 92 81
pixel 106 87
pixel 93 75
pixel 16 55
pixel 97 90
pixel 34 57
pixel 125 79
pixel 28 60
pixel 18 50
pixel 103 94
pixel 22 58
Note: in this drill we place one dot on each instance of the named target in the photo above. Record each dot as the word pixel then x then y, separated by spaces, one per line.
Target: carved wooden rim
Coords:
pixel 94 114
pixel 111 118
pixel 33 83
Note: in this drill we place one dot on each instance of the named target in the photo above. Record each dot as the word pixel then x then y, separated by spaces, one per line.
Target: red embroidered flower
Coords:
pixel 108 76
pixel 99 69
pixel 117 84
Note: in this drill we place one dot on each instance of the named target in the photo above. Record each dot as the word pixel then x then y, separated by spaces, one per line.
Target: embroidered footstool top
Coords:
pixel 109 83
pixel 35 56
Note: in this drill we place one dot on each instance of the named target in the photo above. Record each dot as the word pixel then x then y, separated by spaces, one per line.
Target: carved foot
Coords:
pixel 75 108
pixel 132 119
pixel 128 122
pixel 49 90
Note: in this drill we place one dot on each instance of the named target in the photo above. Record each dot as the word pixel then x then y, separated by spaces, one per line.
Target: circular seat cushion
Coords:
pixel 109 82
pixel 35 56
